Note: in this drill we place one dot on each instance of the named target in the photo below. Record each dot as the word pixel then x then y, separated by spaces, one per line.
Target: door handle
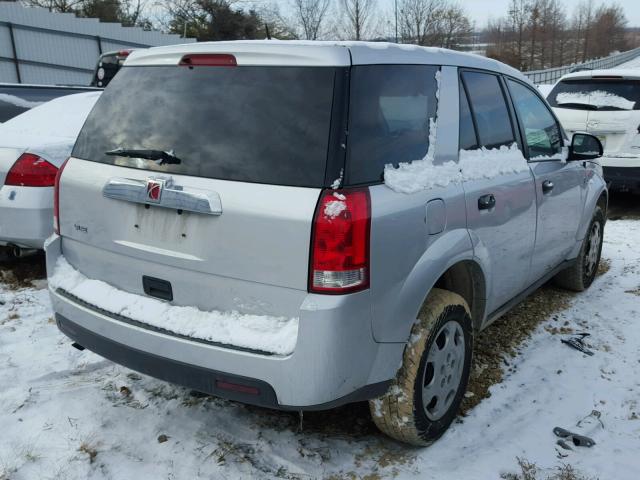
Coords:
pixel 486 202
pixel 547 186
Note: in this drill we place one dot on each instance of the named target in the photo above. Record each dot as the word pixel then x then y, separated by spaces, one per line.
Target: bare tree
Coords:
pixel 454 26
pixel 311 15
pixel 587 8
pixel 63 6
pixel 419 20
pixel 359 14
pixel 518 13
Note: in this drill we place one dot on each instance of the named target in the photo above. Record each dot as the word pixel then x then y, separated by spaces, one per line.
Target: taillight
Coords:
pixel 56 199
pixel 31 171
pixel 208 60
pixel 340 242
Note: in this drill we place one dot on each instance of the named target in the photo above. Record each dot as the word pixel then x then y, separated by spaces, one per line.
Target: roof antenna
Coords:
pixel 266 27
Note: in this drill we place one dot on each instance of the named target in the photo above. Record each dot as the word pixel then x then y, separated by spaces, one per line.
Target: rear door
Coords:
pixel 558 183
pixel 224 214
pixel 501 210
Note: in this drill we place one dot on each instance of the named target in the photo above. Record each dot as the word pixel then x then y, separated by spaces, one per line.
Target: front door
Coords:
pixel 558 183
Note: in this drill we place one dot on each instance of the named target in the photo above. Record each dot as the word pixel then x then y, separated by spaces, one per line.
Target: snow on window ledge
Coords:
pixel 598 98
pixel 423 174
pixel 277 335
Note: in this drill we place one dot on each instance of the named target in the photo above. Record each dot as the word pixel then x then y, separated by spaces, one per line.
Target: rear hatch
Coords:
pixel 205 177
pixel 608 107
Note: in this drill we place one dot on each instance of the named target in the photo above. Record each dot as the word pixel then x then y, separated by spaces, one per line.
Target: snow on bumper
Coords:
pixel 335 358
pixel 256 332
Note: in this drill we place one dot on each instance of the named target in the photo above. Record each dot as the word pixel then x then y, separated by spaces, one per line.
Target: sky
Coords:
pixel 482 10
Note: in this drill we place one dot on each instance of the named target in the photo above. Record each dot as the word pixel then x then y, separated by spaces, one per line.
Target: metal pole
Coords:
pixel 15 53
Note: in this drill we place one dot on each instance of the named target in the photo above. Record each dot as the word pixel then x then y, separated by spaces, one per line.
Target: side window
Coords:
pixel 541 130
pixel 489 109
pixel 390 108
pixel 468 139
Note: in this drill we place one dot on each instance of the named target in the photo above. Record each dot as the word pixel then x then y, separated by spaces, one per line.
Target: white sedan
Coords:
pixel 33 146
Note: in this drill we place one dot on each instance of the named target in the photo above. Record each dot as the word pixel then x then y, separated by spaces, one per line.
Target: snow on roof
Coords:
pixel 630 73
pixel 51 128
pixel 317 53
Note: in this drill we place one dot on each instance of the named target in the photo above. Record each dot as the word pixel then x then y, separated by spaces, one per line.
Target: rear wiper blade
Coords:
pixel 159 156
pixel 582 106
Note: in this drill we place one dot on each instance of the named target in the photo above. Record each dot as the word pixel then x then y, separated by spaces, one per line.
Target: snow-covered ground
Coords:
pixel 68 414
pixel 635 63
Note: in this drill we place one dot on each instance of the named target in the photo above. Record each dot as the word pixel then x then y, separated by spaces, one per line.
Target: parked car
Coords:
pixel 17 98
pixel 299 225
pixel 108 65
pixel 605 103
pixel 32 148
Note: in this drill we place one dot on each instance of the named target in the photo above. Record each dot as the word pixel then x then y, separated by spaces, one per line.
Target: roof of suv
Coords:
pixel 315 53
pixel 622 73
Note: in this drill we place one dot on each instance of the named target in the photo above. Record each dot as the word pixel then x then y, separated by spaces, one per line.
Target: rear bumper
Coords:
pixel 26 216
pixel 622 178
pixel 335 360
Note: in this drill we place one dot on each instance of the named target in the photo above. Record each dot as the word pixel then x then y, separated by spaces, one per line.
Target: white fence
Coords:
pixel 551 75
pixel 38 46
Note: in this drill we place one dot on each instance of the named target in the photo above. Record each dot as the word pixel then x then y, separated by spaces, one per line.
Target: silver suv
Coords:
pixel 300 225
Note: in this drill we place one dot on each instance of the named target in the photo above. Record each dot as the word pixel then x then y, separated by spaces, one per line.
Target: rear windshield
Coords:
pixel 251 124
pixel 596 94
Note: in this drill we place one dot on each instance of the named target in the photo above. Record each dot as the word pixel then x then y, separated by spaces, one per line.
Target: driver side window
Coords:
pixel 542 132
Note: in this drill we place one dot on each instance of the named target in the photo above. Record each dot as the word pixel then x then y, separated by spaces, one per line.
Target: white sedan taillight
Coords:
pixel 31 171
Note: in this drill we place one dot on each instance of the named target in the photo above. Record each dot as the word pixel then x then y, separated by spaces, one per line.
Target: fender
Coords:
pixel 595 186
pixel 445 250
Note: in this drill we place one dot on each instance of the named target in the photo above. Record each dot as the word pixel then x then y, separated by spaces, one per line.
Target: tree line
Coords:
pixel 539 34
pixel 532 34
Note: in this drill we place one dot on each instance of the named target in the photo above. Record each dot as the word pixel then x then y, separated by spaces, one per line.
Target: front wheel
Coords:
pixel 425 396
pixel 580 275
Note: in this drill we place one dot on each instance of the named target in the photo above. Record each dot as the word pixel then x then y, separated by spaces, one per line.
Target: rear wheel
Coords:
pixel 580 275
pixel 425 396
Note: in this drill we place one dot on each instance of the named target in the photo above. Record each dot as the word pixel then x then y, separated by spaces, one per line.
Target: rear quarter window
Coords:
pixel 389 112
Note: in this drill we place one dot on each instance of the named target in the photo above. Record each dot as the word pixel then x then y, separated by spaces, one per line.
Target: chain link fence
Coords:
pixel 551 75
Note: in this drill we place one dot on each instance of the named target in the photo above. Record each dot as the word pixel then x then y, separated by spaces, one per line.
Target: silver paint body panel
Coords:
pixel 254 256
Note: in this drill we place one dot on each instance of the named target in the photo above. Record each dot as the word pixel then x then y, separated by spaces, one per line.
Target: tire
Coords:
pixel 401 413
pixel 580 275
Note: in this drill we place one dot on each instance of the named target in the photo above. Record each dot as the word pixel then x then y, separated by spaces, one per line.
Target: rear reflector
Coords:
pixel 208 60
pixel 56 199
pixel 234 387
pixel 31 171
pixel 340 242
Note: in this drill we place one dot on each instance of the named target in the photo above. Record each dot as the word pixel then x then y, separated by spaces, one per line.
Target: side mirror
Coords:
pixel 585 147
